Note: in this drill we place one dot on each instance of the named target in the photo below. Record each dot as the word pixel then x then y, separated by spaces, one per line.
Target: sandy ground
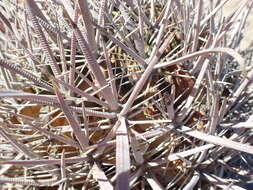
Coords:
pixel 247 40
pixel 247 33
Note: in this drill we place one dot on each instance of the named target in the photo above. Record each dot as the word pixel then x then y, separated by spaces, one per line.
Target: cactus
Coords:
pixel 123 95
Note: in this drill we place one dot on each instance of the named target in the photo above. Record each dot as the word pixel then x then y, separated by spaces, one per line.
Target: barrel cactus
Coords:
pixel 123 95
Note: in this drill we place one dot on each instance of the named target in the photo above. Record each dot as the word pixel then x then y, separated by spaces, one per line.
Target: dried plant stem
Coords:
pixel 122 156
pixel 218 140
pixel 45 46
pixel 23 181
pixel 87 18
pixel 103 181
pixel 15 68
pixel 82 139
pixel 96 71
